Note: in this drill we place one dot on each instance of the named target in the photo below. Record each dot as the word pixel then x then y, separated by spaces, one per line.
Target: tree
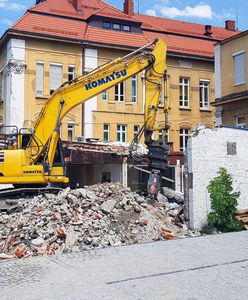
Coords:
pixel 224 203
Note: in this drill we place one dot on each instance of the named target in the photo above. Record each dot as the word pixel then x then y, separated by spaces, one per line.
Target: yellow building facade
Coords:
pixel 49 46
pixel 232 81
pixel 182 118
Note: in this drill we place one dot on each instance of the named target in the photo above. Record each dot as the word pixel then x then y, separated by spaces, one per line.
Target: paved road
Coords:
pixel 210 267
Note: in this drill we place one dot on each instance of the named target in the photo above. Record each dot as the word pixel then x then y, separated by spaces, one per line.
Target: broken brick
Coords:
pixel 168 236
pixel 165 230
pixel 53 217
pixel 21 251
pixel 60 232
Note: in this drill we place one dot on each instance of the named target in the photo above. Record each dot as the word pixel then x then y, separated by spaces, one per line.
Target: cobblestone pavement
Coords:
pixel 209 267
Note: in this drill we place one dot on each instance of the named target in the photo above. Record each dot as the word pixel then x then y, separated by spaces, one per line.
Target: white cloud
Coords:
pixel 11 5
pixel 6 22
pixel 201 10
pixel 151 12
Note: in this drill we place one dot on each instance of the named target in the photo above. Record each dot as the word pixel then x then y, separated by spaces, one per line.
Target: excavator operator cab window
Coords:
pixel 24 140
pixel 59 155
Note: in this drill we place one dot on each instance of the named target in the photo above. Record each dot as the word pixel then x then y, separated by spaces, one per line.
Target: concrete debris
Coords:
pixel 172 195
pixel 97 216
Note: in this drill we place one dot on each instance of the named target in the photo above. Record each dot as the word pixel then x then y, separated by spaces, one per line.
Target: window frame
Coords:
pixel 106 95
pixel 182 86
pixel 235 55
pixel 136 129
pixel 71 73
pixel 120 131
pixel 2 91
pixel 127 26
pixel 135 80
pixel 167 136
pixel 41 63
pixel 119 95
pixel 56 65
pixel 185 138
pixel 240 125
pixel 106 131
pixel 203 101
pixel 118 29
pixel 71 123
pixel 106 27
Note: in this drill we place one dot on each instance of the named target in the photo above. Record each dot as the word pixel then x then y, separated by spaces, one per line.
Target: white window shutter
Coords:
pixel 55 77
pixel 239 68
pixel 39 79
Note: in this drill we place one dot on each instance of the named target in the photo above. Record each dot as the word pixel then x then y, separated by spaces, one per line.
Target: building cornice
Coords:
pixel 232 38
pixel 231 98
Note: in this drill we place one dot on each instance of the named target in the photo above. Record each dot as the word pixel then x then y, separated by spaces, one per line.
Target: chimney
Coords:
pixel 230 25
pixel 76 4
pixel 128 7
pixel 208 30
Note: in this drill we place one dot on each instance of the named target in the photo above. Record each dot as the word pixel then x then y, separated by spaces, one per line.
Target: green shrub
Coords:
pixel 223 203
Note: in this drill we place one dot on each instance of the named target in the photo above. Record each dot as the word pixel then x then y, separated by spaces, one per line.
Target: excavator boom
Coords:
pixel 34 162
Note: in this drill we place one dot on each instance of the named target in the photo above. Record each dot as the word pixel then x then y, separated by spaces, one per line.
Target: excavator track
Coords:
pixel 15 193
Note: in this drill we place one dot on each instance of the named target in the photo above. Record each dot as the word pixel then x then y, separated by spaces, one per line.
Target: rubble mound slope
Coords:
pixel 96 216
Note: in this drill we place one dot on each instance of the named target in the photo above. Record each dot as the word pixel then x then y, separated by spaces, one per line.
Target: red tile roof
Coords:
pixel 116 37
pixel 181 27
pixel 52 26
pixel 181 44
pixel 181 37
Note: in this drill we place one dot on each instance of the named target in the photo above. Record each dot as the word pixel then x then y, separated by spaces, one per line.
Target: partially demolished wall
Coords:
pixel 208 150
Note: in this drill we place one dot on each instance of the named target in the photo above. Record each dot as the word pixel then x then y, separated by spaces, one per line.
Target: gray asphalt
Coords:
pixel 209 267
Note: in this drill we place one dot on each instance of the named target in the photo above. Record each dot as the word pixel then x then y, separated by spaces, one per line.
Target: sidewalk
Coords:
pixel 209 267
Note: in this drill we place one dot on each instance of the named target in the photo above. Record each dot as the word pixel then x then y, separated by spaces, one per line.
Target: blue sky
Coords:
pixel 212 12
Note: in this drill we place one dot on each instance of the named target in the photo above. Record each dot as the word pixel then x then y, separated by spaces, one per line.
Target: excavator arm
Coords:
pixel 36 162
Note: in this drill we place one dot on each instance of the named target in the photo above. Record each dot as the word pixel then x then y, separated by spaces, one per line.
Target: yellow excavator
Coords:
pixel 37 158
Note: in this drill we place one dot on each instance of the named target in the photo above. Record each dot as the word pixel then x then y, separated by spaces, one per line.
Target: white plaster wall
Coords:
pixel 90 63
pixel 218 94
pixel 15 84
pixel 206 153
pixel 217 70
pixel 114 169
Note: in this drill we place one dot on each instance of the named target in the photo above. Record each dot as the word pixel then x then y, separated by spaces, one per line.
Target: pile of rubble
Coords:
pixel 92 217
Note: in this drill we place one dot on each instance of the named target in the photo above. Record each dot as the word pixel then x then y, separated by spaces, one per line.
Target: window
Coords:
pixel 121 133
pixel 71 73
pixel 71 131
pixel 135 133
pixel 105 95
pixel 106 25
pixel 184 135
pixel 39 79
pixel 204 94
pixel 160 135
pixel 241 122
pixel 239 68
pixel 2 86
pixel 184 92
pixel 119 92
pixel 116 26
pixel 126 28
pixel 106 132
pixel 55 77
pixel 134 88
